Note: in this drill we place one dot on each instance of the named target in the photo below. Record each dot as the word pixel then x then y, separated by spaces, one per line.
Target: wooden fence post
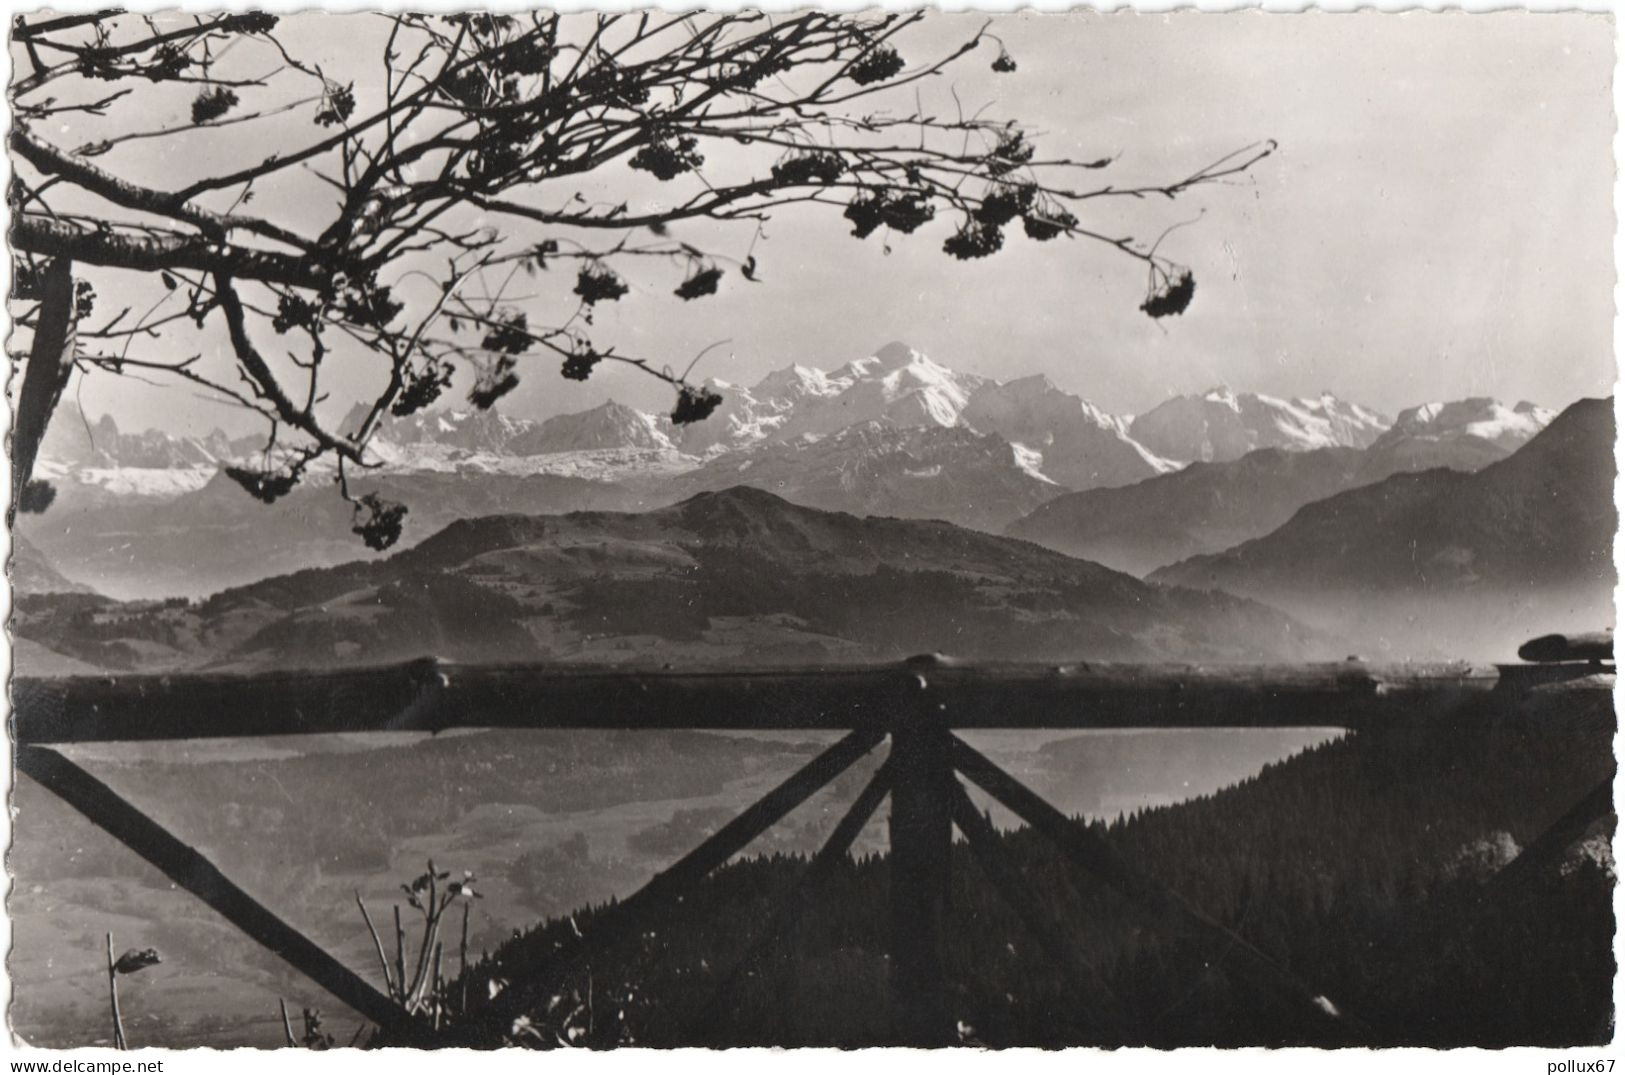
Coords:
pixel 921 843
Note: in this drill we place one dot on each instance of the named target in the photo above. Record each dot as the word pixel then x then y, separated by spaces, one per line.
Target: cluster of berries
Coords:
pixel 378 521
pixel 494 380
pixel 211 104
pixel 37 495
pixel 1046 224
pixel 876 65
pixel 613 83
pixel 807 167
pixel 901 212
pixel 482 25
pixel 25 275
pixel 1170 293
pixel 1011 153
pixel 694 405
pixel 595 284
pixel 166 63
pixel 421 388
pixel 748 73
pixel 266 486
pixel 1005 204
pixel 527 56
pixel 578 366
pixel 511 334
pixel 974 239
pixel 293 312
pixel 666 160
pixel 370 306
pixel 337 104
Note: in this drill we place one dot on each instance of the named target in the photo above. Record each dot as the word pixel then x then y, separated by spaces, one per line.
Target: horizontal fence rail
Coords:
pixel 430 696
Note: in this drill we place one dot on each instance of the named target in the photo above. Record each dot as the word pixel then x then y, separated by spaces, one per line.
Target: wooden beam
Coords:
pixel 920 870
pixel 1089 851
pixel 430 696
pixel 197 875
pixel 625 918
pixel 1549 848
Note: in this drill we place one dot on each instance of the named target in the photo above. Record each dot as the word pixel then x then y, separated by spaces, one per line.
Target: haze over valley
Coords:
pixel 1217 492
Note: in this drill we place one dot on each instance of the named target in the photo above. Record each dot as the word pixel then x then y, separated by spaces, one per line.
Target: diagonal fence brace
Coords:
pixel 192 871
pixel 1549 848
pixel 1094 855
pixel 626 917
pixel 790 911
pixel 1001 869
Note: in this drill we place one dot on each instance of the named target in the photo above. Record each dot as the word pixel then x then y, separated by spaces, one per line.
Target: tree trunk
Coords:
pixel 50 363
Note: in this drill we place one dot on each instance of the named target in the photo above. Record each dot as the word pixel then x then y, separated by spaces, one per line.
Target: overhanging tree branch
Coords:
pixel 35 233
pixel 492 148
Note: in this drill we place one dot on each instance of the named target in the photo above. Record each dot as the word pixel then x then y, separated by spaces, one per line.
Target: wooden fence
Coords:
pixel 917 706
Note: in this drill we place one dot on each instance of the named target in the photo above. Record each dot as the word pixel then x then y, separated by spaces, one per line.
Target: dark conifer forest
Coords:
pixel 1371 869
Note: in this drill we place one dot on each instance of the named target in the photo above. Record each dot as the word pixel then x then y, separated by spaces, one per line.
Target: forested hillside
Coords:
pixel 1368 867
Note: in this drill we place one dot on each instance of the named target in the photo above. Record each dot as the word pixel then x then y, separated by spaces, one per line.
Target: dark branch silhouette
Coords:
pixel 467 157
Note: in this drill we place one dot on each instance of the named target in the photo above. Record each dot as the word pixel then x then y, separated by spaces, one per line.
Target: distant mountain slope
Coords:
pixel 609 425
pixel 1080 445
pixel 1209 507
pixel 1205 507
pixel 32 571
pixel 738 576
pixel 1419 559
pixel 1223 424
pixel 972 479
pixel 218 536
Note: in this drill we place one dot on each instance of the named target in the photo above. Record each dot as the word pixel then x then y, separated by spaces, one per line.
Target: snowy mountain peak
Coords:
pixel 74 444
pixel 609 425
pixel 1487 419
pixel 795 381
pixel 1222 424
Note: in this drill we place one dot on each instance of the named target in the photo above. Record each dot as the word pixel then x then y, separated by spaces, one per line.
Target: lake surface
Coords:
pixel 547 820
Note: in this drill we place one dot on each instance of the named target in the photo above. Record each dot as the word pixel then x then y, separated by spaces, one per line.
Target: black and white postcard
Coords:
pixel 538 530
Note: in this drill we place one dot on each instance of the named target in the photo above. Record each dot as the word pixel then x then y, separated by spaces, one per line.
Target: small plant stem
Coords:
pixel 112 993
pixel 439 989
pixel 400 955
pixel 463 955
pixel 287 1027
pixel 378 946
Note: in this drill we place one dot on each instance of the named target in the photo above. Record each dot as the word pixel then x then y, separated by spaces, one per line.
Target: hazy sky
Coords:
pixel 1437 223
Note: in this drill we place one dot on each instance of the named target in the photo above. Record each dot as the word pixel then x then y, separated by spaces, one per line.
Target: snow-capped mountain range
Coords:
pixel 1222 425
pixel 1017 442
pixel 1029 424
